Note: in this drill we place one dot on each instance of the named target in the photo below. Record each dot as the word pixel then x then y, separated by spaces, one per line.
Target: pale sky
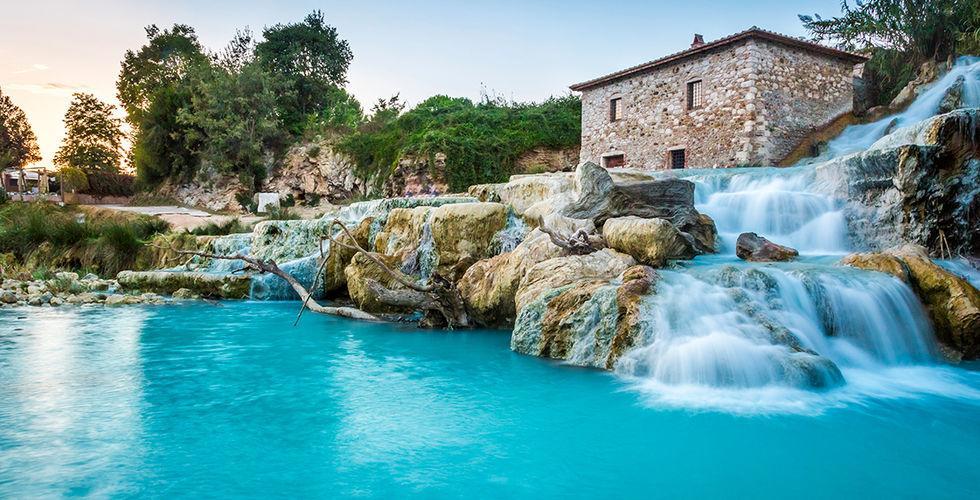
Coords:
pixel 523 50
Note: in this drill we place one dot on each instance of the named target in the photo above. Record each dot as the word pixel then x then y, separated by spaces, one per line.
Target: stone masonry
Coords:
pixel 761 94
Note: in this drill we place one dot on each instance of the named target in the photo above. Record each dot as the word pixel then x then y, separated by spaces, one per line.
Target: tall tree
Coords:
pixel 93 137
pixel 163 61
pixel 235 119
pixel 313 59
pixel 18 144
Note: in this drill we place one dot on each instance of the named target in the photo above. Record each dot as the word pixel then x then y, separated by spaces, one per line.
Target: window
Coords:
pixel 677 159
pixel 615 109
pixel 694 94
pixel 615 161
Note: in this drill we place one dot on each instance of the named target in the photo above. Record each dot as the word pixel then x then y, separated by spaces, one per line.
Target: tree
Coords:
pixel 18 144
pixel 162 62
pixel 163 147
pixel 312 58
pixel 901 35
pixel 93 137
pixel 233 114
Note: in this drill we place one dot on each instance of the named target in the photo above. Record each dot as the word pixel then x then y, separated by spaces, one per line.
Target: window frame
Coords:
pixel 672 156
pixel 615 109
pixel 691 93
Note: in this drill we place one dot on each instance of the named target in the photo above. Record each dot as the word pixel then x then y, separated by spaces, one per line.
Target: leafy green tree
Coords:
pixel 313 59
pixel 901 35
pixel 163 61
pixel 18 144
pixel 163 147
pixel 93 137
pixel 234 116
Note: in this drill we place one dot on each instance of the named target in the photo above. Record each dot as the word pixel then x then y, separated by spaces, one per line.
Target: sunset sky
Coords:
pixel 523 50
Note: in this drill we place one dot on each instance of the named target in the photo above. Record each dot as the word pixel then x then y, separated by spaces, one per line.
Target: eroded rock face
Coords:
pixel 920 185
pixel 952 302
pixel 489 287
pixel 649 241
pixel 588 323
pixel 338 257
pixel 523 192
pixel 315 169
pixel 462 234
pixel 360 271
pixel 402 232
pixel 755 248
pixel 558 272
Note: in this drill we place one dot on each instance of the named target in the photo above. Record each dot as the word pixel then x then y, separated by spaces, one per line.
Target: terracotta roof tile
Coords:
pixel 753 32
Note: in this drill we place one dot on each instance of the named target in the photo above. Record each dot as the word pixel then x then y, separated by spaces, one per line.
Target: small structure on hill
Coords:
pixel 746 99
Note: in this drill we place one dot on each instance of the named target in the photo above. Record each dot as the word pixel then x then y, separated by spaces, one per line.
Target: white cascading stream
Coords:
pixel 718 323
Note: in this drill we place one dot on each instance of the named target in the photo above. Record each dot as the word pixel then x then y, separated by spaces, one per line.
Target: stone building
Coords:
pixel 746 99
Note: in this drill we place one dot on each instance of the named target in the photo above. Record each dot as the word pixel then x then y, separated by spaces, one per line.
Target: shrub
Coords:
pixel 481 141
pixel 221 229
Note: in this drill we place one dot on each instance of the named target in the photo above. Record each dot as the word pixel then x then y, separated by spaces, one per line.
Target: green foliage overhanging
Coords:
pixel 481 141
pixel 900 35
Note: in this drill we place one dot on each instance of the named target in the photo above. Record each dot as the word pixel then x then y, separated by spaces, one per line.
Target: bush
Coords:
pixel 481 141
pixel 48 236
pixel 104 183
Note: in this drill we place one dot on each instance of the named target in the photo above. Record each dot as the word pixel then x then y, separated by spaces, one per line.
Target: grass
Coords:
pixel 42 237
pixel 221 229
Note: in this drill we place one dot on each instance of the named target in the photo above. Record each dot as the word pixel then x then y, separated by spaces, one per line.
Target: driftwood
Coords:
pixel 271 267
pixel 579 243
pixel 439 299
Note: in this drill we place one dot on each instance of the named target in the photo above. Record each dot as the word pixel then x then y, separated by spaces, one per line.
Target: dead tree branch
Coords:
pixel 579 243
pixel 439 298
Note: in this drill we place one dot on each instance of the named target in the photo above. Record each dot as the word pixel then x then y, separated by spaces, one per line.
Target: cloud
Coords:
pixel 33 68
pixel 50 88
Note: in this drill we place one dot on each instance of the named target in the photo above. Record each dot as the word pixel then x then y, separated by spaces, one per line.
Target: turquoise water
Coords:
pixel 229 400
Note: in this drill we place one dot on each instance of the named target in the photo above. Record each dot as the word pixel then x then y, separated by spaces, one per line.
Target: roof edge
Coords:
pixel 753 32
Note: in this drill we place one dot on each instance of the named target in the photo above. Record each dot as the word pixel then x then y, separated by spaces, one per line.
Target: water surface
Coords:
pixel 201 400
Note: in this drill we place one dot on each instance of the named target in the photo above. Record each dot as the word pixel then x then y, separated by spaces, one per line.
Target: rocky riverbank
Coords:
pixel 67 288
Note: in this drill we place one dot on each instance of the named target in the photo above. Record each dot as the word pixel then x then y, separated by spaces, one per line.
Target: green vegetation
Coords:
pixel 900 35
pixel 18 144
pixel 481 141
pixel 232 226
pixel 41 236
pixel 237 109
pixel 93 137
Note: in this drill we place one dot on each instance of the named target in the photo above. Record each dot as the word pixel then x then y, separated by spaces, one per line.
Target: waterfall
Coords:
pixel 720 332
pixel 778 203
pixel 855 138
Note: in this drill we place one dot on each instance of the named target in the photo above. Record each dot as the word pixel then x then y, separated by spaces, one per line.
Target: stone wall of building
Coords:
pixel 759 99
pixel 800 92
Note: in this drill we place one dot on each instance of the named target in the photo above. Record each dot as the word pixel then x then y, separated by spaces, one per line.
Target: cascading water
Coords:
pixel 720 332
pixel 965 72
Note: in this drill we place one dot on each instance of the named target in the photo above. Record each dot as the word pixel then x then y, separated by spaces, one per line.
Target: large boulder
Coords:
pixel 402 232
pixel 362 271
pixel 225 286
pixel 920 185
pixel 463 233
pixel 649 241
pixel 599 198
pixel 489 286
pixel 755 248
pixel 522 192
pixel 338 256
pixel 587 323
pixel 952 302
pixel 558 272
